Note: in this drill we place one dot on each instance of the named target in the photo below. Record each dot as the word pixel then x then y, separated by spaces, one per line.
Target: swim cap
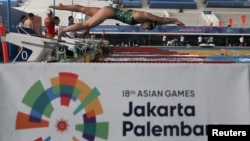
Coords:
pixel 152 25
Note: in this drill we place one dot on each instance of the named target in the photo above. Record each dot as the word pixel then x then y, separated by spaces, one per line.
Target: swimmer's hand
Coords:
pixel 179 23
pixel 58 7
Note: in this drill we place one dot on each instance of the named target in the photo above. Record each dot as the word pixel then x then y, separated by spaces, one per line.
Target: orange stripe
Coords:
pixel 74 139
pixel 22 122
pixel 94 108
pixel 85 90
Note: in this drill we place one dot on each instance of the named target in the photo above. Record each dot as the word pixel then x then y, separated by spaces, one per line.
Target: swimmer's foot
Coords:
pixel 60 40
pixel 59 36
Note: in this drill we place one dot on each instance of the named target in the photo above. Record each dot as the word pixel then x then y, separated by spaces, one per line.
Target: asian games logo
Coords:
pixel 68 110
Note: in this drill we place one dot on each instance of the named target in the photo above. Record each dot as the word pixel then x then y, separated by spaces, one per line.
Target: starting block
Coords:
pixel 36 48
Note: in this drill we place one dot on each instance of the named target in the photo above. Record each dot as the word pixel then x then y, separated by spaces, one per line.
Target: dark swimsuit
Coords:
pixel 124 16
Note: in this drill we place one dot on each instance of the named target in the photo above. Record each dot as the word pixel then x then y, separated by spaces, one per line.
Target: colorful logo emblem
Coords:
pixel 69 107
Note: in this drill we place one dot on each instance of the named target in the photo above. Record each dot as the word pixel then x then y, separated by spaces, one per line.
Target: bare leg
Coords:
pixel 142 16
pixel 98 18
pixel 89 11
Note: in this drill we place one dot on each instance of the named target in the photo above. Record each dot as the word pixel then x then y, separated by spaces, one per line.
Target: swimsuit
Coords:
pixel 124 16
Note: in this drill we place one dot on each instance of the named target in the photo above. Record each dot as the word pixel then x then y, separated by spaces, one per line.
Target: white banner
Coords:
pixel 120 102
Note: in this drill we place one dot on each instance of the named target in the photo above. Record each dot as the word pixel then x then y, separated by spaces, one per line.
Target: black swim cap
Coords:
pixel 152 25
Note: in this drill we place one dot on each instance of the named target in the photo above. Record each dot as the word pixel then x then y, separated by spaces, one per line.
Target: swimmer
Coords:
pixel 147 20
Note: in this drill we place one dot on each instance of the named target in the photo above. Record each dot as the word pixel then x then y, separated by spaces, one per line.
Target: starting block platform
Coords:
pixel 36 48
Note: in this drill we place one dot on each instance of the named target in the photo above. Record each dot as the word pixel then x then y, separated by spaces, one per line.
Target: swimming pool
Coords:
pixel 178 55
